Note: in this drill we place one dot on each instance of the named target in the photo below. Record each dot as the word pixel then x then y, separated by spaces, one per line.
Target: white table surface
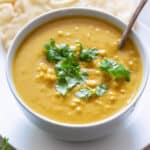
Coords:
pixel 145 15
pixel 26 136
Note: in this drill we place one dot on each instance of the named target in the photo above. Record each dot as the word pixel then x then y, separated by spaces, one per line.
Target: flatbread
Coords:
pixel 16 13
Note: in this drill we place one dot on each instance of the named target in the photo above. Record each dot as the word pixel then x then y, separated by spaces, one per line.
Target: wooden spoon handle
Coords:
pixel 131 22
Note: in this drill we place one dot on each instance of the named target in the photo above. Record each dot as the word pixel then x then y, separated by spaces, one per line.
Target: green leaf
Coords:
pixel 88 54
pixel 62 86
pixel 4 144
pixel 84 75
pixel 56 53
pixel 101 89
pixel 73 81
pixel 84 93
pixel 52 52
pixel 68 67
pixel 65 50
pixel 115 69
pixel 68 71
pixel 87 93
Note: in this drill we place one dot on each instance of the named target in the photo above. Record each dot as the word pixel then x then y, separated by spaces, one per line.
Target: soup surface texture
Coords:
pixel 35 77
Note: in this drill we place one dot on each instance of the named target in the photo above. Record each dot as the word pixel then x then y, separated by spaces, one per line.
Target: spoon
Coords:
pixel 131 23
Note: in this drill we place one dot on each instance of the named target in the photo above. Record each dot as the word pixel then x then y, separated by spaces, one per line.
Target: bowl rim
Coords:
pixel 118 114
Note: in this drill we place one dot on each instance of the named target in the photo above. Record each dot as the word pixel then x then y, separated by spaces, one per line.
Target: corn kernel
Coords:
pixel 49 70
pixel 41 74
pixel 96 63
pixel 68 34
pixel 75 47
pixel 91 83
pixel 115 84
pixel 97 29
pixel 116 57
pixel 112 97
pixel 76 28
pixel 122 91
pixel 44 68
pixel 57 94
pixel 73 105
pixel 102 53
pixel 76 100
pixel 78 109
pixel 130 63
pixel 47 76
pixel 98 102
pixel 60 33
pixel 111 93
pixel 89 35
pixel 41 64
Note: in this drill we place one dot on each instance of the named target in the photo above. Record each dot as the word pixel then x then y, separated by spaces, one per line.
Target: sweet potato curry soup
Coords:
pixel 70 70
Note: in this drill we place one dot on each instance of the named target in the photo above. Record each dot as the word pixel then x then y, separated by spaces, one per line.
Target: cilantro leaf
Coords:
pixel 84 93
pixel 56 53
pixel 65 50
pixel 52 52
pixel 84 75
pixel 4 144
pixel 68 67
pixel 68 74
pixel 87 93
pixel 62 86
pixel 101 89
pixel 88 54
pixel 115 69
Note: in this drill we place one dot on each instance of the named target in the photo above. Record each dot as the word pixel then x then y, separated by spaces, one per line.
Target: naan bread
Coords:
pixel 16 13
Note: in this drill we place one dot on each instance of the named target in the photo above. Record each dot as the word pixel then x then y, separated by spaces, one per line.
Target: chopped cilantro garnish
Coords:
pixel 65 50
pixel 88 54
pixel 84 93
pixel 114 69
pixel 84 75
pixel 68 74
pixel 62 86
pixel 68 71
pixel 4 144
pixel 67 67
pixel 56 53
pixel 101 89
pixel 52 51
pixel 87 93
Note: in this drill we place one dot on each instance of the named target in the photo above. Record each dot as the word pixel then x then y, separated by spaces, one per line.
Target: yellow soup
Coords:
pixel 35 77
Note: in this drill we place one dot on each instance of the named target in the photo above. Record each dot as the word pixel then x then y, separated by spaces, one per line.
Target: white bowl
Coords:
pixel 75 132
